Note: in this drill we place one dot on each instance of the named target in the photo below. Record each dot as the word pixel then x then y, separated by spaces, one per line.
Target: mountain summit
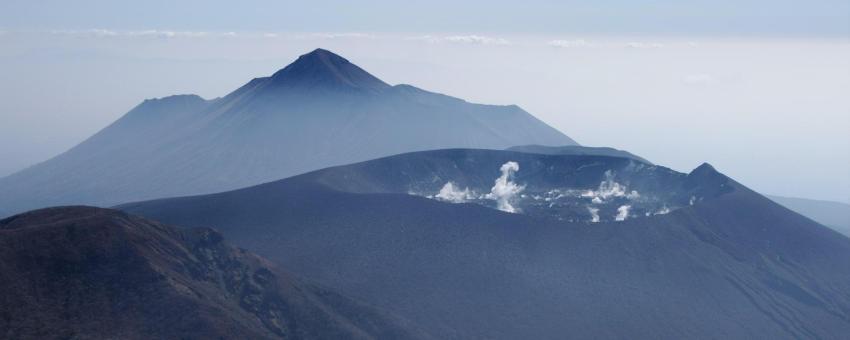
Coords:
pixel 319 111
pixel 324 69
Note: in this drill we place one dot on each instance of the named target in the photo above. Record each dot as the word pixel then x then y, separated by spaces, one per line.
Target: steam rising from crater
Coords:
pixel 622 213
pixel 504 189
pixel 609 189
pixel 452 194
pixel 594 214
pixel 610 201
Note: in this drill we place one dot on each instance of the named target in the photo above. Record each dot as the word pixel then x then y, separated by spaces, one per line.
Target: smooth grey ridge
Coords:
pixel 732 265
pixel 319 111
pixel 577 150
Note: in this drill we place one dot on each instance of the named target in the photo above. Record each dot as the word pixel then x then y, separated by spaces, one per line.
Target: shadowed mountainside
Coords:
pixel 90 273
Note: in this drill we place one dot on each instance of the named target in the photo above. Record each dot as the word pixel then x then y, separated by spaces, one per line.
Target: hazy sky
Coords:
pixel 757 88
pixel 677 17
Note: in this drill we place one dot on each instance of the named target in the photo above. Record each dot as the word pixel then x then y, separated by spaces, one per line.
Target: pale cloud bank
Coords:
pixel 644 45
pixel 340 35
pixel 159 34
pixel 170 34
pixel 568 43
pixel 462 39
pixel 698 79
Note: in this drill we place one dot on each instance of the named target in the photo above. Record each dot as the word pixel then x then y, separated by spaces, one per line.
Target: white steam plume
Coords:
pixel 622 213
pixel 608 189
pixel 504 189
pixel 594 214
pixel 453 194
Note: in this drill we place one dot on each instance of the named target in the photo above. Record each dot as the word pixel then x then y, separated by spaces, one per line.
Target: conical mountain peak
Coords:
pixel 324 55
pixel 319 111
pixel 703 170
pixel 324 69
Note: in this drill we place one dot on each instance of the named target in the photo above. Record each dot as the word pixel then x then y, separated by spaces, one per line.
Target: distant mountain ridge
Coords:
pixel 835 215
pixel 319 111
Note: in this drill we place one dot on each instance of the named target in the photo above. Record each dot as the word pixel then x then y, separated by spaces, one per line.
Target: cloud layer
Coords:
pixel 160 34
pixel 568 43
pixel 472 39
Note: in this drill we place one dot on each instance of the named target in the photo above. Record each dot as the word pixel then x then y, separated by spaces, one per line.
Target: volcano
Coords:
pixel 319 111
pixel 544 246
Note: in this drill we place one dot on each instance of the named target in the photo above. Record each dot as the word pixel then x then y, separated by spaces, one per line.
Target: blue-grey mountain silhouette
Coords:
pixel 597 246
pixel 319 111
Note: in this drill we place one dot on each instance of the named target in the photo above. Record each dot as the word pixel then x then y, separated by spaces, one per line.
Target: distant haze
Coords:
pixel 769 108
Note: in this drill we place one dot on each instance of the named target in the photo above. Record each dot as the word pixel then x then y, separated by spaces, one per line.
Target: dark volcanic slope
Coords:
pixel 89 273
pixel 732 265
pixel 319 111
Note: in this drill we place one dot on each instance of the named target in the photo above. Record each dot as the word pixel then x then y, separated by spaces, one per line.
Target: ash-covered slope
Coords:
pixel 319 111
pixel 727 263
pixel 90 273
